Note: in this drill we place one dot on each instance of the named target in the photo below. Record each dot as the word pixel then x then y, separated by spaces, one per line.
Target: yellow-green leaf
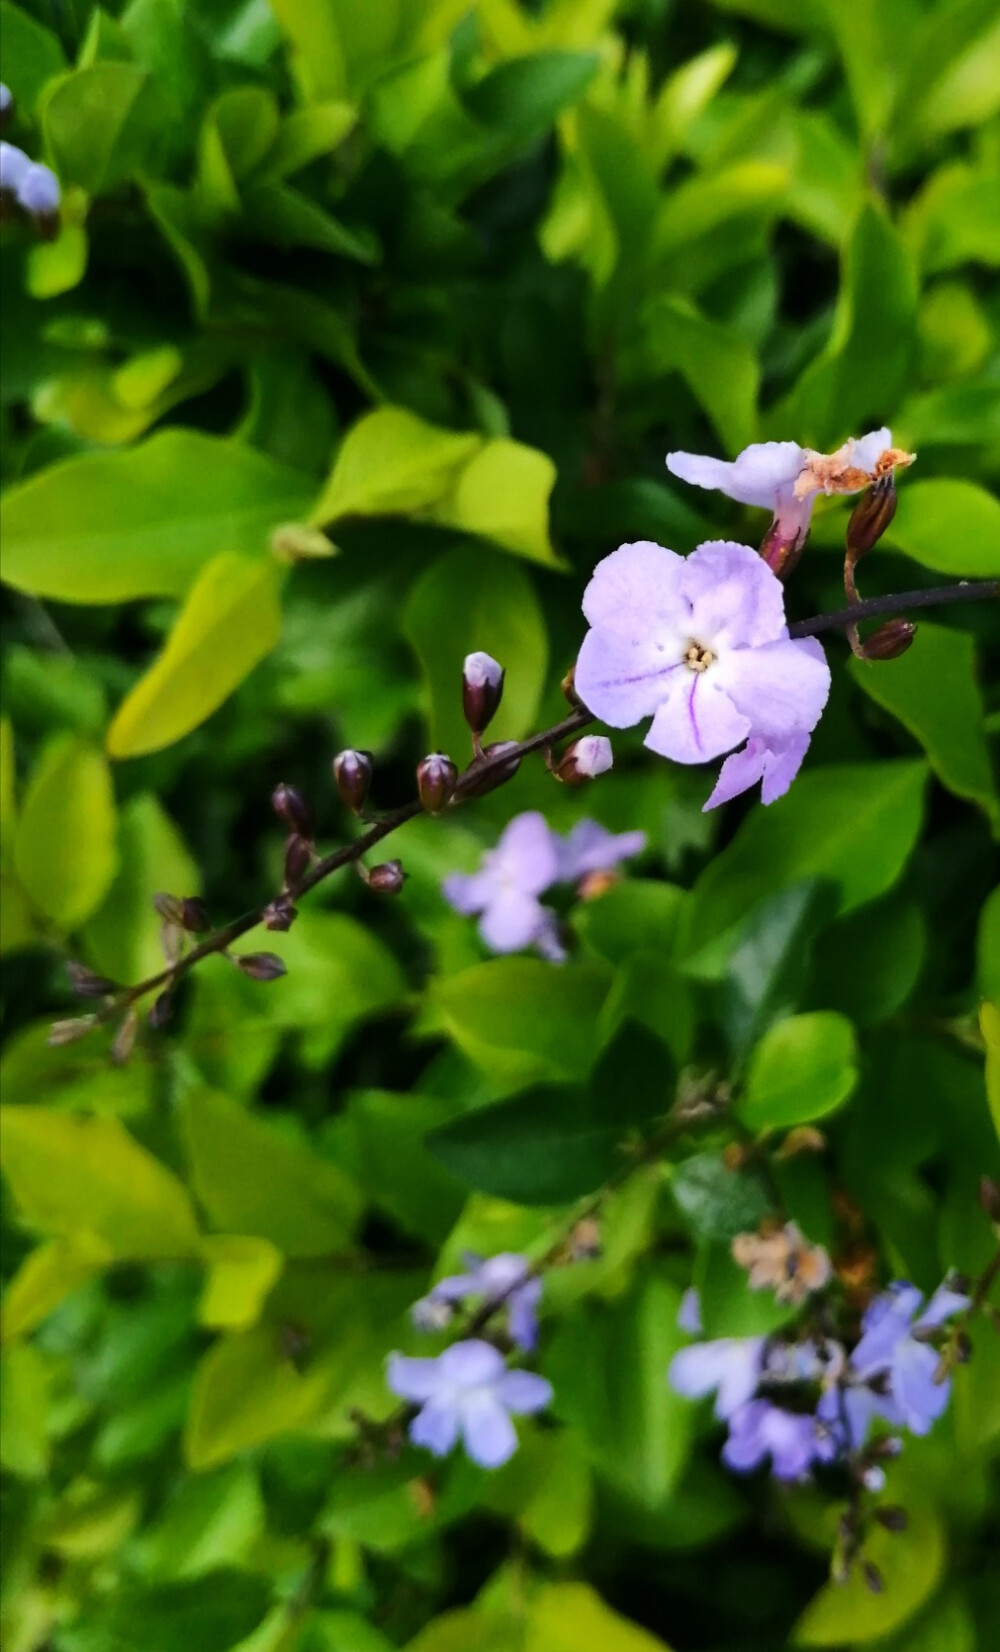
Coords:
pixel 253 1179
pixel 566 1617
pixel 74 1174
pixel 47 1275
pixel 246 1390
pixel 241 1271
pixel 230 621
pixel 391 463
pixel 64 850
pixel 989 1024
pixel 503 494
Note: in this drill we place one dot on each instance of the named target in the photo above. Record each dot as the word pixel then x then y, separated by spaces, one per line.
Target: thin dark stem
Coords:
pixel 939 596
pixel 482 770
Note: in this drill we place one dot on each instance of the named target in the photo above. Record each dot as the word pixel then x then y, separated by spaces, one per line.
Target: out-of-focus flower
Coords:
pixel 894 1348
pixel 700 644
pixel 784 1262
pixel 785 478
pixel 467 1393
pixel 504 892
pixel 39 192
pixel 499 1279
pixel 791 1439
pixel 591 848
pixel 14 163
pixel 728 1367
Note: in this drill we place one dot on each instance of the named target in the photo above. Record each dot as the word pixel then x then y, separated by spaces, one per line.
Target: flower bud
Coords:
pixel 873 1577
pixel 298 857
pixel 871 516
pixel 584 760
pixel 289 805
pixel 889 641
pixel 280 914
pixel 67 1032
pixel 260 966
pixel 782 546
pixel 298 542
pixel 162 1010
pixel 482 690
pixel 873 1479
pixel 352 770
pixel 194 916
pixel 86 983
pixel 893 1518
pixel 387 879
pixel 989 1197
pixel 437 777
pixel 494 777
pixel 124 1040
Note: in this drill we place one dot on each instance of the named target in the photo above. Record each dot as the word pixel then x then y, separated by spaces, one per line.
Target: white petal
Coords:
pixel 738 773
pixel 527 853
pixel 698 722
pixel 866 449
pixel 513 921
pixel 736 600
pixel 620 683
pixel 781 688
pixel 413 1379
pixel 753 478
pixel 488 1433
pixel 632 593
pixel 781 767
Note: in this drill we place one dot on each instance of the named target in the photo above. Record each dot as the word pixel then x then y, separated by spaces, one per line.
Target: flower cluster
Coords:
pixel 529 859
pixel 807 1400
pixel 503 1280
pixel 32 185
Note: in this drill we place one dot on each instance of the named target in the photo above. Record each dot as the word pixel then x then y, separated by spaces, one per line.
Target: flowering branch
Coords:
pixel 489 769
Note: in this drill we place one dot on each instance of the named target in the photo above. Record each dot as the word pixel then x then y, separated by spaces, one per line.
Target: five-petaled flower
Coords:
pixel 504 892
pixel 786 478
pixel 504 1279
pixel 467 1393
pixel 700 644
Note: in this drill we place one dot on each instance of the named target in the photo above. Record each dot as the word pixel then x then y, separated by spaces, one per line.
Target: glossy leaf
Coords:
pixel 952 527
pixel 520 1018
pixel 65 850
pixel 802 1069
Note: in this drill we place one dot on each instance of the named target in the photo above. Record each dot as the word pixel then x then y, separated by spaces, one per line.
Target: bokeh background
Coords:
pixel 446 279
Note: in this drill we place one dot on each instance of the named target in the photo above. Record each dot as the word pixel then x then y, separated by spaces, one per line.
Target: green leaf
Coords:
pixel 247 1390
pixel 207 1522
pixel 65 849
pixel 524 95
pixel 870 961
pixel 802 1069
pixel 566 1617
pixel 523 1019
pixel 933 691
pixel 24 1445
pixel 71 1173
pixel 635 915
pixel 387 1156
pixel 123 936
pixel 545 1147
pixel 48 1274
pixel 391 462
pixel 766 973
pixel 950 526
pixel 466 601
pixel 230 620
pixel 306 134
pixel 32 56
pixel 718 364
pixel 718 1202
pixel 253 1179
pixel 206 1614
pixel 109 527
pixel 100 123
pixel 848 1612
pixel 280 216
pixel 729 1308
pixel 855 825
pixel 503 494
pixel 241 1271
pixel 547 1487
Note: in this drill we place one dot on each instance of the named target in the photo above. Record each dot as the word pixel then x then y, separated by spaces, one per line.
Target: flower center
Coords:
pixel 697 657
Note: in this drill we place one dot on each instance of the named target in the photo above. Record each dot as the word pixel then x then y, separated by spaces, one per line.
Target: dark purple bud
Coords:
pixel 873 1577
pixel 67 1032
pixel 280 914
pixel 584 760
pixel 482 690
pixel 162 1010
pixel 496 773
pixel 260 966
pixel 893 1518
pixel 352 770
pixel 289 806
pixel 782 546
pixel 989 1197
pixel 387 879
pixel 870 517
pixel 124 1041
pixel 298 857
pixel 437 777
pixel 86 983
pixel 194 916
pixel 889 641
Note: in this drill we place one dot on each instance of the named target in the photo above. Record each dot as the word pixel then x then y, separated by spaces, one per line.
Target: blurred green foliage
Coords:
pixel 366 330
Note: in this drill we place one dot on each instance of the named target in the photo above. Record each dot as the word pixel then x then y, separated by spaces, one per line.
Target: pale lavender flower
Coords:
pixel 700 644
pixel 39 192
pixel 792 1440
pixel 467 1393
pixel 14 163
pixel 893 1350
pixel 729 1367
pixel 590 847
pixel 785 478
pixel 504 892
pixel 504 1278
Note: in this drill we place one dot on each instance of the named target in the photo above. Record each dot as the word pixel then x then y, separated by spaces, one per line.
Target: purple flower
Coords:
pixel 700 644
pixel 505 1278
pixel 505 891
pixel 591 848
pixel 892 1350
pixel 467 1393
pixel 14 163
pixel 759 1430
pixel 39 192
pixel 785 478
pixel 730 1368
